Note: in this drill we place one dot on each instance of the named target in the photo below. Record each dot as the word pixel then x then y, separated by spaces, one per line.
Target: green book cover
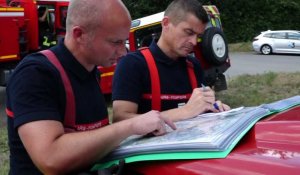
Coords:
pixel 210 135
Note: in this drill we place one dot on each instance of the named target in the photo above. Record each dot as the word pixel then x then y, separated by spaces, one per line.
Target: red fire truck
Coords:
pixel 19 35
pixel 19 31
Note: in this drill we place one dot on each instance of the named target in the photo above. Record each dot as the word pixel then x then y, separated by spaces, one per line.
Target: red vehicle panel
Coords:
pixel 106 78
pixel 9 53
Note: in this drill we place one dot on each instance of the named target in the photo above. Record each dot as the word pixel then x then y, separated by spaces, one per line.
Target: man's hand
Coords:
pixel 151 122
pixel 200 101
pixel 220 107
pixel 203 100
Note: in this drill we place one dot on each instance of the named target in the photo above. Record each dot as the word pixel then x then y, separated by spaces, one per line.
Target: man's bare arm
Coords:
pixel 55 152
pixel 200 102
pixel 124 110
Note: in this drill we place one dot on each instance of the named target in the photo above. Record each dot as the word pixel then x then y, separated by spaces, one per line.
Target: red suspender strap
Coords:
pixel 190 68
pixel 9 113
pixel 69 120
pixel 155 82
pixel 70 111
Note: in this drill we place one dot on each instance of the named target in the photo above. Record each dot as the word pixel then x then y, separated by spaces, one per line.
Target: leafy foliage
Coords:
pixel 143 8
pixel 242 20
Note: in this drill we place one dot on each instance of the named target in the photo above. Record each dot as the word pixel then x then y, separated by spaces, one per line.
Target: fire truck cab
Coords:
pixel 211 50
pixel 20 33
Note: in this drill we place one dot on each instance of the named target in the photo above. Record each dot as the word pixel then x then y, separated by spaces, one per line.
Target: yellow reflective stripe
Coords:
pixel 17 9
pixel 212 10
pixel 12 9
pixel 107 74
pixel 7 57
pixel 46 43
pixel 213 22
pixel 145 26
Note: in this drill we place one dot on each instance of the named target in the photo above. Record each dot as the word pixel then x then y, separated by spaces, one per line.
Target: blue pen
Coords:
pixel 216 106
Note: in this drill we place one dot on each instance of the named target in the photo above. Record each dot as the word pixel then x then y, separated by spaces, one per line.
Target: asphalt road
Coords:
pixel 241 63
pixel 252 63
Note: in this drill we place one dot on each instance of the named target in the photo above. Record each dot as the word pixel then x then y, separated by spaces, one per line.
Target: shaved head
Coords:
pixel 96 31
pixel 91 14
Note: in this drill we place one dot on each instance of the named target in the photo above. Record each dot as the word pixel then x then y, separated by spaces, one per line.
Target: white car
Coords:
pixel 279 41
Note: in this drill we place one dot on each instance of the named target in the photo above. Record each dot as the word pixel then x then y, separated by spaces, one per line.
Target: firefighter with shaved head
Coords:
pixel 57 116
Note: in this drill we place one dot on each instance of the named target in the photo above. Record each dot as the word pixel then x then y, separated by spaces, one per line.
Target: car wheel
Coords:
pixel 214 46
pixel 266 49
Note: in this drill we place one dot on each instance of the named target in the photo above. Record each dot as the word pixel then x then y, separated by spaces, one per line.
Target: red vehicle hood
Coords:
pixel 272 146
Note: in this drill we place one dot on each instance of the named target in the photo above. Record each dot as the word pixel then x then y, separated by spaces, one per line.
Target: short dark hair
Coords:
pixel 178 9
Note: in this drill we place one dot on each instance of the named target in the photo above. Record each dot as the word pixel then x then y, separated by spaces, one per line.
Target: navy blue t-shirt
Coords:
pixel 36 92
pixel 132 78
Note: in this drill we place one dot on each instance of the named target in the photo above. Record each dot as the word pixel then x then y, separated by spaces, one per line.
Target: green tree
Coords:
pixel 143 8
pixel 242 19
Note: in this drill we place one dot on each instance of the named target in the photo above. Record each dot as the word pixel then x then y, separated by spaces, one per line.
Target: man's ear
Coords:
pixel 165 22
pixel 78 34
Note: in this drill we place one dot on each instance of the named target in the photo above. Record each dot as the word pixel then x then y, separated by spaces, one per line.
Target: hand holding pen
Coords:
pixel 202 100
pixel 217 105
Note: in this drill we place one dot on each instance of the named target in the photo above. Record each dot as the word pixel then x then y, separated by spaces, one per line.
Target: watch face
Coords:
pixel 180 104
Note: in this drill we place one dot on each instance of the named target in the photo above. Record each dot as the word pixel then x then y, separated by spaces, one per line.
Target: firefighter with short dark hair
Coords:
pixel 164 77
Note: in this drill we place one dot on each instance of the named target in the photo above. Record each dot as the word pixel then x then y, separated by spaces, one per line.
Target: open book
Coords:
pixel 210 132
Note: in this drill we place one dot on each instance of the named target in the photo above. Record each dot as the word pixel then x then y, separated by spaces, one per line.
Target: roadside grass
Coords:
pixel 240 47
pixel 244 90
pixel 4 153
pixel 253 90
